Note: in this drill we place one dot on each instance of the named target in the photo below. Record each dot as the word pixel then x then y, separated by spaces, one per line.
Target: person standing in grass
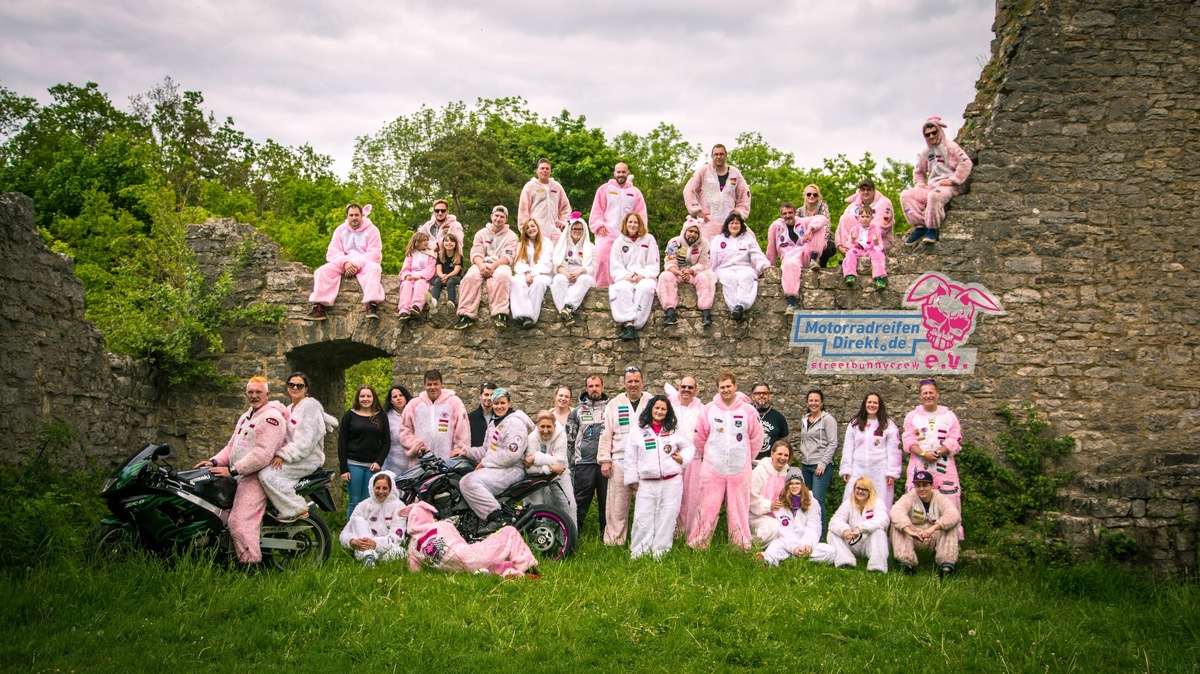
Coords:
pixel 924 518
pixel 872 448
pixel 585 425
pixel 818 444
pixel 688 409
pixel 364 442
pixel 620 417
pixel 655 455
pixel 728 436
pixel 932 436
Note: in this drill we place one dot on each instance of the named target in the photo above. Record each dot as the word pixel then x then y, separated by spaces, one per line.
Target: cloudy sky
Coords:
pixel 815 78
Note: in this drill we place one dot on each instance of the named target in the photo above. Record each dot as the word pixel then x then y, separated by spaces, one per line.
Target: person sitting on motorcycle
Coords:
pixel 303 452
pixel 375 532
pixel 548 455
pixel 259 434
pixel 438 545
pixel 502 462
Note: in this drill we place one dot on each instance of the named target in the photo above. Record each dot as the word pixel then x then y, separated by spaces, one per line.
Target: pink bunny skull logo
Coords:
pixel 948 309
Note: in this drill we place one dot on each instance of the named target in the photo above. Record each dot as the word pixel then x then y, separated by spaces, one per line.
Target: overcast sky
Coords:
pixel 815 78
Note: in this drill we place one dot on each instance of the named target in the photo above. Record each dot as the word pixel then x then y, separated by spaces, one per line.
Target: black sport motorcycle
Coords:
pixel 153 506
pixel 550 533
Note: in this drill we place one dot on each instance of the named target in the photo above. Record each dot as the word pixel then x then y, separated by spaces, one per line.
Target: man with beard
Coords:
pixel 715 191
pixel 492 255
pixel 436 421
pixel 775 427
pixel 441 224
pixel 686 261
pixel 585 424
pixel 614 200
pixel 882 216
pixel 728 436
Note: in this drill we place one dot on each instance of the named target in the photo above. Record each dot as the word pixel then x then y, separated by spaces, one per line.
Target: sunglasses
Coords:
pixel 439 210
pixel 633 368
pixel 931 134
pixel 296 385
pixel 861 490
pixel 811 194
pixel 687 388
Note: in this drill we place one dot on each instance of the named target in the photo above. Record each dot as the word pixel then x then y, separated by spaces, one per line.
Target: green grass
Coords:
pixel 711 611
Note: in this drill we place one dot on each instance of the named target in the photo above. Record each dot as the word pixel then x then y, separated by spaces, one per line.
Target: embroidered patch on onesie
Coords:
pixel 668 449
pixel 444 422
pixel 723 244
pixel 272 421
pixel 784 521
pixel 651 443
pixel 624 249
pixel 514 446
pixel 622 415
pixel 868 513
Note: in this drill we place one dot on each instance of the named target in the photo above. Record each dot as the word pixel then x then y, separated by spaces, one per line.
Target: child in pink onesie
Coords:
pixel 865 241
pixel 419 268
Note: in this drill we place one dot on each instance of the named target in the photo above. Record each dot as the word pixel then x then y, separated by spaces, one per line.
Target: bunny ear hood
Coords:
pixel 935 121
pixel 689 223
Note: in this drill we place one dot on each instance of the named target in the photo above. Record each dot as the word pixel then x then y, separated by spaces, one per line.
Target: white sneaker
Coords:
pixel 432 303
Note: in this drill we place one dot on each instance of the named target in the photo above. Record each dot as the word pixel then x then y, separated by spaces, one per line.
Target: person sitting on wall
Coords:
pixel 492 253
pixel 355 250
pixel 687 262
pixel 938 176
pixel 881 218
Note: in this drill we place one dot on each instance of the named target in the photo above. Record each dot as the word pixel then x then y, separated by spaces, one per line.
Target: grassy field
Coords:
pixel 712 611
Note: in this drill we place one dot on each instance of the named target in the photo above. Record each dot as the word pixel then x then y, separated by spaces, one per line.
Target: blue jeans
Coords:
pixel 451 287
pixel 359 488
pixel 819 486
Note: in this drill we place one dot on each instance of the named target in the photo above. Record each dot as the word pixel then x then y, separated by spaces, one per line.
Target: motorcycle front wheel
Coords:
pixel 306 541
pixel 109 541
pixel 550 534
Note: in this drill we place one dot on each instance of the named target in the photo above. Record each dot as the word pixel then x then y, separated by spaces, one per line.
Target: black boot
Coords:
pixel 672 318
pixel 706 317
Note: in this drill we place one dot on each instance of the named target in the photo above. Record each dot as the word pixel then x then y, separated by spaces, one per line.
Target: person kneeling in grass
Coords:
pixel 375 531
pixel 799 518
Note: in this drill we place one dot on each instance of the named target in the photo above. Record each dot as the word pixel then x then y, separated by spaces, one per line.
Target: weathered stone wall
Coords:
pixel 1080 216
pixel 1083 208
pixel 53 367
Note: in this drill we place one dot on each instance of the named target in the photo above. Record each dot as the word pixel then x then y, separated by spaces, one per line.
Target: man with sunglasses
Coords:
pixel 620 417
pixel 687 412
pixel 938 176
pixel 441 224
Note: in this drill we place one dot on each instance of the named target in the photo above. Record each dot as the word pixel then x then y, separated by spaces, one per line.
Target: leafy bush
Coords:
pixel 1012 494
pixel 44 511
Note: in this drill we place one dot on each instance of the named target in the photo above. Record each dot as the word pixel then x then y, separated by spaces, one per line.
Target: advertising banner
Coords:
pixel 925 340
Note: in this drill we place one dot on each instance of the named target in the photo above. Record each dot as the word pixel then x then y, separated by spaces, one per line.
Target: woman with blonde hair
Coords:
pixel 531 274
pixel 634 266
pixel 859 529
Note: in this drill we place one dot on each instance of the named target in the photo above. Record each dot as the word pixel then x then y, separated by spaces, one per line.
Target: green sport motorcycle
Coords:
pixel 155 507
